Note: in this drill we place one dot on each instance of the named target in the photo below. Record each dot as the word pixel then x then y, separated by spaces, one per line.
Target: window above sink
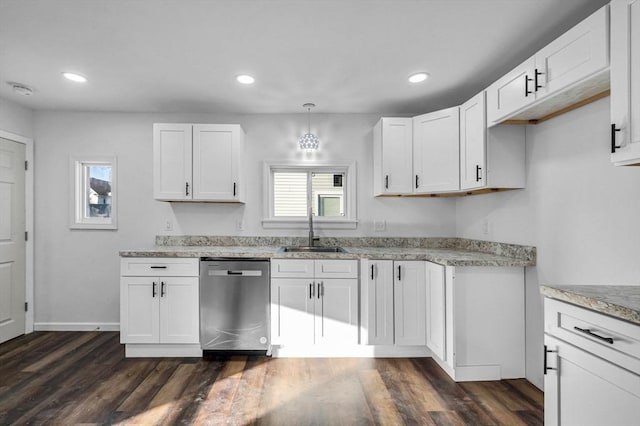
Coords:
pixel 329 188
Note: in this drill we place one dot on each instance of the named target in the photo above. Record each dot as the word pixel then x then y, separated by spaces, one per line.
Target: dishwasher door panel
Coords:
pixel 234 305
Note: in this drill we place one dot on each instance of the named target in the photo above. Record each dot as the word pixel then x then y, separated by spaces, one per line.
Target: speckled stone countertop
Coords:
pixel 620 301
pixel 445 251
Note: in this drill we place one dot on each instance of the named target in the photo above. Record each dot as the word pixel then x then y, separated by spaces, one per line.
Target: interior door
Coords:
pixel 12 244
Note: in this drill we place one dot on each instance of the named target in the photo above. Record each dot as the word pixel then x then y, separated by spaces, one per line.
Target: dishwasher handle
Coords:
pixel 227 272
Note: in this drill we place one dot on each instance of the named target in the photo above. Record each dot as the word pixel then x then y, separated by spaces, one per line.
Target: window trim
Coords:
pixel 349 221
pixel 78 197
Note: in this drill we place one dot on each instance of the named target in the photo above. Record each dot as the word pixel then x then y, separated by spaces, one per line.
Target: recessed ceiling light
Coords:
pixel 75 77
pixel 418 77
pixel 245 79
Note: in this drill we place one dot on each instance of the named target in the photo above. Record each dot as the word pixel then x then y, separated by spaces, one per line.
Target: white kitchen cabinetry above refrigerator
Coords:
pixel 314 302
pixel 197 162
pixel 490 159
pixel 625 82
pixel 569 71
pixel 159 307
pixel 591 367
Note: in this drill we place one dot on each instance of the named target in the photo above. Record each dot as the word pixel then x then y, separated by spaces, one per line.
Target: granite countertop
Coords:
pixel 620 301
pixel 450 252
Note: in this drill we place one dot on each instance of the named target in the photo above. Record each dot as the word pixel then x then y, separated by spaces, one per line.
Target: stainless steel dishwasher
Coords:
pixel 234 304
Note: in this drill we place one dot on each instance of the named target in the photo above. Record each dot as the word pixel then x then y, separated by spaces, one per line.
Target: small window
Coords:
pixel 328 190
pixel 94 193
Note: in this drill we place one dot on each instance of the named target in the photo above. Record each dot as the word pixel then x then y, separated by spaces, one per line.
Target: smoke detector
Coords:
pixel 21 88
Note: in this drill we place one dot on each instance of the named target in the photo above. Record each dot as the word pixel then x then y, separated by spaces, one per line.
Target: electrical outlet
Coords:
pixel 379 225
pixel 239 225
pixel 485 226
pixel 168 225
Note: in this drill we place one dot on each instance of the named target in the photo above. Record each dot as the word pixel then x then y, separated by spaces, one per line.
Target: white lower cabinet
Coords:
pixel 159 313
pixel 470 318
pixel 314 302
pixel 393 303
pixel 591 366
pixel 409 302
pixel 484 322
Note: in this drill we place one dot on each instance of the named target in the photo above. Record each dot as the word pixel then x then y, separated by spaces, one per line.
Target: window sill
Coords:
pixel 304 224
pixel 109 226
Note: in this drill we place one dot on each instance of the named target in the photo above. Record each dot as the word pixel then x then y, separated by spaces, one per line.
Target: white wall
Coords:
pixel 77 271
pixel 578 210
pixel 16 119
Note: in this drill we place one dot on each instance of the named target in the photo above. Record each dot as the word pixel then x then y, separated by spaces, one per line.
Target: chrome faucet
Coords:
pixel 312 238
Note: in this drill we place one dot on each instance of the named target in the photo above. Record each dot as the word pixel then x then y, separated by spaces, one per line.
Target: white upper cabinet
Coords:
pixel 216 161
pixel 172 161
pixel 574 64
pixel 512 92
pixel 392 154
pixel 473 133
pixel 625 82
pixel 490 159
pixel 198 162
pixel 436 151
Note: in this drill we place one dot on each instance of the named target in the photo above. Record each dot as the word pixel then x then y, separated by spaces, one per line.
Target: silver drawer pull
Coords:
pixel 592 334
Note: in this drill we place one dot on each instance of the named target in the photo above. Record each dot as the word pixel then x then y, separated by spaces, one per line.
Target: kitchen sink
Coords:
pixel 314 249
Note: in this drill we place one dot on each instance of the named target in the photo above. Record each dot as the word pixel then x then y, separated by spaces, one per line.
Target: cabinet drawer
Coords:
pixel 292 268
pixel 159 267
pixel 580 327
pixel 331 268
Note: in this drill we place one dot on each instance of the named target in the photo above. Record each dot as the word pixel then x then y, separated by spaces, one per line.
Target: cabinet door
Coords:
pixel 215 161
pixel 379 302
pixel 578 53
pixel 436 151
pixel 179 307
pixel 292 311
pixel 172 162
pixel 511 93
pixel 625 81
pixel 139 310
pixel 336 311
pixel 409 302
pixel 395 155
pixel 436 309
pixel 473 136
pixel 582 389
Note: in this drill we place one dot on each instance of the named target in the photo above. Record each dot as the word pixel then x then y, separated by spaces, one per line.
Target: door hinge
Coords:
pixel 26 165
pixel 26 306
pixel 26 235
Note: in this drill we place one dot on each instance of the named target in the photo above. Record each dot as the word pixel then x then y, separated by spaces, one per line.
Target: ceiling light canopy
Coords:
pixel 245 79
pixel 309 141
pixel 74 77
pixel 418 77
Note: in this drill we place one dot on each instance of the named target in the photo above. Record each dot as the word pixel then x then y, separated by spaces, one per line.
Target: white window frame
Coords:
pixel 79 191
pixel 348 221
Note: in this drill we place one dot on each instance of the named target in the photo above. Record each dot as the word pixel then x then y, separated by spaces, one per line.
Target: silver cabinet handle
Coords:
pixel 320 289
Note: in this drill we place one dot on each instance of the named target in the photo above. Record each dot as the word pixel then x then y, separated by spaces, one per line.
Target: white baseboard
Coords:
pixel 76 326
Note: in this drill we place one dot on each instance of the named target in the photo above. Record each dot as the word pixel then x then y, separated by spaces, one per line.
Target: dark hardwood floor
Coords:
pixel 73 377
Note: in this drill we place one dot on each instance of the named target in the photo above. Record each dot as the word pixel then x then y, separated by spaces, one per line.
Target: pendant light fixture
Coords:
pixel 309 141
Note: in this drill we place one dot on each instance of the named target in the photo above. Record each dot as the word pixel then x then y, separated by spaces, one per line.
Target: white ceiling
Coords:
pixel 347 56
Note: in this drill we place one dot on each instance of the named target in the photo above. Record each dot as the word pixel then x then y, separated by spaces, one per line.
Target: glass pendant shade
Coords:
pixel 309 141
